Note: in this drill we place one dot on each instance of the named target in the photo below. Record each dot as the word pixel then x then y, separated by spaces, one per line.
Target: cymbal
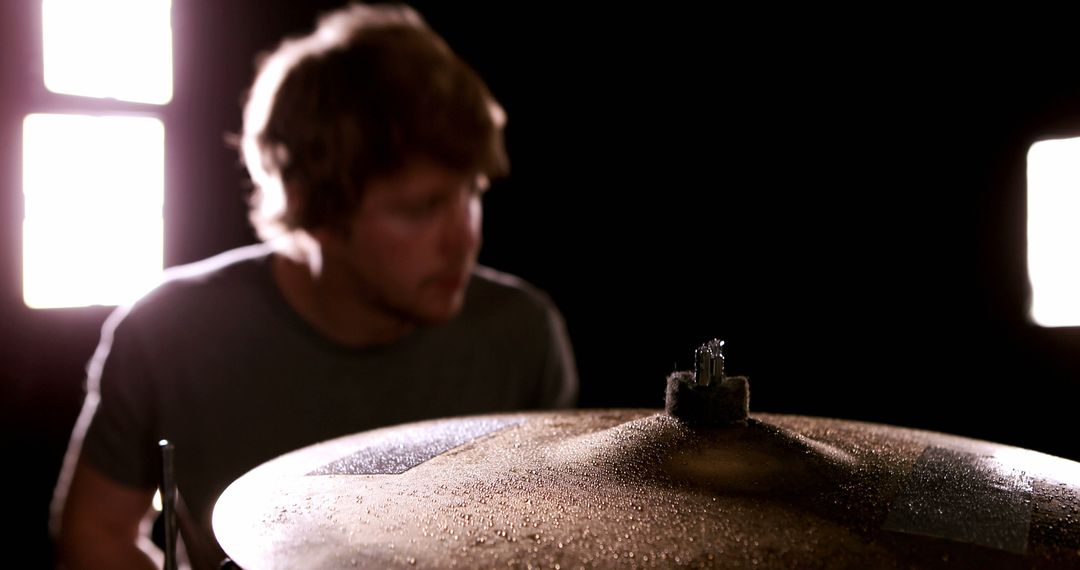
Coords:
pixel 641 488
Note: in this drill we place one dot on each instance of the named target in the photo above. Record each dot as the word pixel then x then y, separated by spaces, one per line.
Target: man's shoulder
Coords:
pixel 206 283
pixel 493 290
pixel 228 264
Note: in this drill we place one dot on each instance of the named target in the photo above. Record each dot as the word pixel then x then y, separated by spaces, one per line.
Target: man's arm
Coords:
pixel 100 524
pixel 96 518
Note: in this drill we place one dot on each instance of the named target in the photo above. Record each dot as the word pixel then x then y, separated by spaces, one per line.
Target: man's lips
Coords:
pixel 451 281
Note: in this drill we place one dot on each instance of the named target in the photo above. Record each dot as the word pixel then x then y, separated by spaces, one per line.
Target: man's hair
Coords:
pixel 370 90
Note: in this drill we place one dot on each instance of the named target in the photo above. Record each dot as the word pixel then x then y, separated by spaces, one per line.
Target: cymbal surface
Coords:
pixel 637 489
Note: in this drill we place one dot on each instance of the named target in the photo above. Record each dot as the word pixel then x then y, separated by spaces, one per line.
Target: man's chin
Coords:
pixel 440 312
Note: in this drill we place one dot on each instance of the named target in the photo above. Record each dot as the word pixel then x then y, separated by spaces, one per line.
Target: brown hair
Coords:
pixel 371 89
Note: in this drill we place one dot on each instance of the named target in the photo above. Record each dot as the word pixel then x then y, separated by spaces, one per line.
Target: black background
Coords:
pixel 844 203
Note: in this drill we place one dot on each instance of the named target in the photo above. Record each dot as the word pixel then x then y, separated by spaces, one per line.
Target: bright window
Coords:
pixel 1053 231
pixel 92 228
pixel 94 184
pixel 121 49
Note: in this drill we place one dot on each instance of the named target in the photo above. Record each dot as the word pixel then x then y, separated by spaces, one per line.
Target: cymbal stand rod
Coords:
pixel 168 501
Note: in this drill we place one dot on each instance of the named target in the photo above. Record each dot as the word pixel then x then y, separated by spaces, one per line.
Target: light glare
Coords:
pixel 92 226
pixel 1034 464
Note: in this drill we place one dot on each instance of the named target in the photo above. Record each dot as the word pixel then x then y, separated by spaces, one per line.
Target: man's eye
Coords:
pixel 420 209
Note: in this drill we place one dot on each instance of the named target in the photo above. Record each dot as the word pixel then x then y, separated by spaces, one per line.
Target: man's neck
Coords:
pixel 339 314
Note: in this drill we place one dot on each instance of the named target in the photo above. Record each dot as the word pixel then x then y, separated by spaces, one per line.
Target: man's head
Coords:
pixel 373 138
pixel 369 92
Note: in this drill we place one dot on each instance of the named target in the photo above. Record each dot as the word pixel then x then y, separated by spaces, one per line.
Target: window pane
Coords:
pixel 1053 173
pixel 92 226
pixel 109 48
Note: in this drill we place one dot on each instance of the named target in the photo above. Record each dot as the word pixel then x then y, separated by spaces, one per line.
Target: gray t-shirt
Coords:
pixel 216 361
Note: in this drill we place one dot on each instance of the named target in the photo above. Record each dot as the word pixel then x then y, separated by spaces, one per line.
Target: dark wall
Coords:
pixel 844 205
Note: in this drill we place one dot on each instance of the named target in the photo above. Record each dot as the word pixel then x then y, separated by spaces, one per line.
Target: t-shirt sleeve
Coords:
pixel 120 438
pixel 559 381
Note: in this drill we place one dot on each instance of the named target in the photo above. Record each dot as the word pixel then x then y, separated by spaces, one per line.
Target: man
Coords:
pixel 370 144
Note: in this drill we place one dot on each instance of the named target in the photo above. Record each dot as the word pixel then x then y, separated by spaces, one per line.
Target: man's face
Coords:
pixel 412 243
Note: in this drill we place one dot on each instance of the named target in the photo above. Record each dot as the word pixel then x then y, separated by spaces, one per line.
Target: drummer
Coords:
pixel 370 145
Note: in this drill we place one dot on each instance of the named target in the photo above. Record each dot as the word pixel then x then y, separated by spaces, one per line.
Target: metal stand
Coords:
pixel 168 502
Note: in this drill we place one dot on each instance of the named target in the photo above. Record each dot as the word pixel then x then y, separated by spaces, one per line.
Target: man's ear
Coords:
pixel 294 201
pixel 330 233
